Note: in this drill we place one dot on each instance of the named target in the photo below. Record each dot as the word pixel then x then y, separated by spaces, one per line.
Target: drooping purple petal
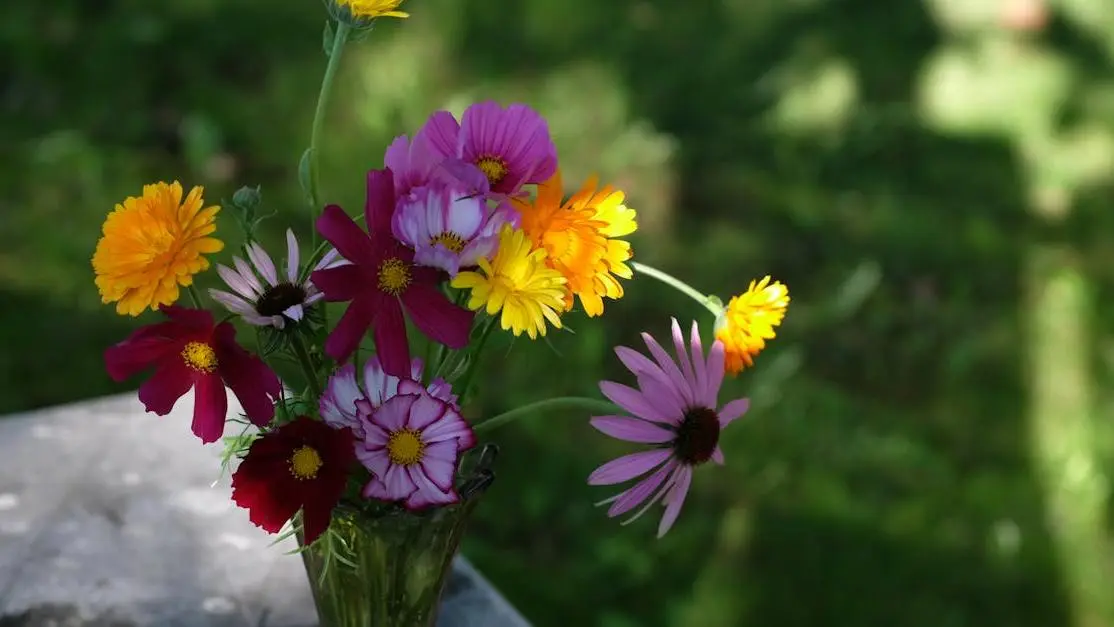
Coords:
pixel 641 491
pixel 629 466
pixel 733 410
pixel 676 498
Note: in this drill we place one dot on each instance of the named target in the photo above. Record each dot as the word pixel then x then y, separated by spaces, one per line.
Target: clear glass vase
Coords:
pixel 388 568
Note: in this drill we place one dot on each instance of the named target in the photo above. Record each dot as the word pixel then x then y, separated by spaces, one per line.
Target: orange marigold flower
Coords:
pixel 749 320
pixel 153 244
pixel 579 237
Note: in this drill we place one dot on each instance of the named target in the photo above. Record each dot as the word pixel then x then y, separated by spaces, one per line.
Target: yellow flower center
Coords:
pixel 453 242
pixel 200 356
pixel 394 276
pixel 494 168
pixel 305 462
pixel 405 447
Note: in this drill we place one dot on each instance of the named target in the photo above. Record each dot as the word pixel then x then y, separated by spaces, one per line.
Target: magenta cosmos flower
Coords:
pixel 411 445
pixel 674 408
pixel 511 146
pixel 349 403
pixel 276 299
pixel 188 352
pixel 380 281
pixel 448 227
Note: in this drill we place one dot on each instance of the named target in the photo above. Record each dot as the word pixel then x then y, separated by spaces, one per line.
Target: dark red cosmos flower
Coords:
pixel 302 465
pixel 381 280
pixel 187 351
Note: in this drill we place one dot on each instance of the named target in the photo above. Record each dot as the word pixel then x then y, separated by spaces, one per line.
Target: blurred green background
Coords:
pixel 931 438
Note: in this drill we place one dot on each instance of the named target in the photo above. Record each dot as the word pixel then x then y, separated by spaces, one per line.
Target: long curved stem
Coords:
pixel 601 407
pixel 339 39
pixel 676 284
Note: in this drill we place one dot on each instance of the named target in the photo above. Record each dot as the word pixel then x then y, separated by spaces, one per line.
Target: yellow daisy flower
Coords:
pixel 749 320
pixel 153 244
pixel 371 9
pixel 518 283
pixel 578 237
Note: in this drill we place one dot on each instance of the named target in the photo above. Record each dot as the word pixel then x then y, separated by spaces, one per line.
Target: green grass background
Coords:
pixel 930 441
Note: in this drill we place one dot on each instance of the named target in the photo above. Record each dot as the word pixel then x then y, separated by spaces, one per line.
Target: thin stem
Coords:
pixel 676 284
pixel 194 296
pixel 307 365
pixel 466 381
pixel 601 407
pixel 339 39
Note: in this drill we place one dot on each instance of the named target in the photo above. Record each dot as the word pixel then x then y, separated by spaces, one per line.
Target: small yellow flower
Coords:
pixel 518 283
pixel 749 320
pixel 578 237
pixel 151 245
pixel 371 9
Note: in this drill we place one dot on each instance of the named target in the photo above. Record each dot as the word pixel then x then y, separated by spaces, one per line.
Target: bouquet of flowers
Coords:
pixel 368 458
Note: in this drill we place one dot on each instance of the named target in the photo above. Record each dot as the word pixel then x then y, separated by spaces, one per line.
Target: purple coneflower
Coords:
pixel 275 300
pixel 673 408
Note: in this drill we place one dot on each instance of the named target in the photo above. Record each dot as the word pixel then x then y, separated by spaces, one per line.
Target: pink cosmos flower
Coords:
pixel 348 403
pixel 188 352
pixel 411 446
pixel 275 300
pixel 511 146
pixel 448 228
pixel 382 280
pixel 674 408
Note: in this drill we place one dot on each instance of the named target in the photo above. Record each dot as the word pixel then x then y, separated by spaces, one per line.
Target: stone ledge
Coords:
pixel 108 518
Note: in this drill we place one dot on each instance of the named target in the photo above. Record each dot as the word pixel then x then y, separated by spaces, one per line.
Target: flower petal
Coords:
pixel 634 402
pixel 439 464
pixel 340 283
pixel 394 413
pixel 343 233
pixel 170 382
pixel 676 498
pixel 641 491
pixel 733 410
pixel 379 205
pixel 628 466
pixel 391 344
pixel 251 380
pixel 632 429
pixel 346 336
pixel 293 258
pixel 210 408
pixel 437 317
pixel 263 263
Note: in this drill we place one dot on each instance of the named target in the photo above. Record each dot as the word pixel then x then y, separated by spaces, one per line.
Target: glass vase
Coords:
pixel 388 567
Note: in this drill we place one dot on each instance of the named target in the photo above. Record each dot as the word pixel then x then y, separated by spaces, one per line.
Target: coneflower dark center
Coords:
pixel 279 298
pixel 697 436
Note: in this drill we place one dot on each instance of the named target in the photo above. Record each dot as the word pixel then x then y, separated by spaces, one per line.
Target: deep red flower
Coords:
pixel 381 280
pixel 188 351
pixel 302 465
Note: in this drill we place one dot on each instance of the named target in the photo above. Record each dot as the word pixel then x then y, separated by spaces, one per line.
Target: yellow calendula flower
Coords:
pixel 579 237
pixel 749 320
pixel 153 244
pixel 371 9
pixel 518 283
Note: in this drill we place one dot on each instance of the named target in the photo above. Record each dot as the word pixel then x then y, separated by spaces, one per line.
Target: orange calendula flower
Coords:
pixel 749 320
pixel 153 244
pixel 579 237
pixel 371 9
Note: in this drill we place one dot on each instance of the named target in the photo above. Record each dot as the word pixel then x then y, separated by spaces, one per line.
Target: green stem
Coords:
pixel 466 381
pixel 339 39
pixel 194 296
pixel 307 365
pixel 678 285
pixel 561 402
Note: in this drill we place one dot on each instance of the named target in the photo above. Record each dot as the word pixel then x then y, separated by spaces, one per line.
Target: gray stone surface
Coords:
pixel 108 518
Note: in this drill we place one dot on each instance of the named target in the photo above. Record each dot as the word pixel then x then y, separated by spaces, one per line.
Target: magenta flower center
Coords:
pixel 394 276
pixel 451 241
pixel 405 447
pixel 697 436
pixel 493 167
pixel 279 298
pixel 200 356
pixel 305 462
